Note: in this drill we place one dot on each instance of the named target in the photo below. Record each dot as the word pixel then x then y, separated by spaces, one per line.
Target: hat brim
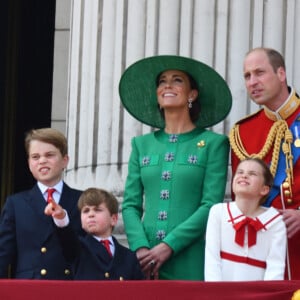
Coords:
pixel 137 89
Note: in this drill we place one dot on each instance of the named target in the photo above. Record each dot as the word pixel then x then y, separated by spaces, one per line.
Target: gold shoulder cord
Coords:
pixel 278 132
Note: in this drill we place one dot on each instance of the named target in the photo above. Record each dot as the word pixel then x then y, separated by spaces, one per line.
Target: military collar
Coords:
pixel 285 110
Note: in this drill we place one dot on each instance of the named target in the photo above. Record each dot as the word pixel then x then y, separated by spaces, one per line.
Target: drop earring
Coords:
pixel 190 101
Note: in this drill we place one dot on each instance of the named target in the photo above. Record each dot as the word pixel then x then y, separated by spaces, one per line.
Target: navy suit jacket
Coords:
pixel 28 238
pixel 91 260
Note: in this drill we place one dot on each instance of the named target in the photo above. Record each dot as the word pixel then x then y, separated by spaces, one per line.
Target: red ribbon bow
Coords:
pixel 253 225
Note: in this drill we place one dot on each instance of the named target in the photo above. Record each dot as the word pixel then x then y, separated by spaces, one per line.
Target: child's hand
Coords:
pixel 55 210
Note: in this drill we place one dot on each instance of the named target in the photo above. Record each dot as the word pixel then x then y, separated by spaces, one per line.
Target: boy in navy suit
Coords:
pixel 90 258
pixel 28 238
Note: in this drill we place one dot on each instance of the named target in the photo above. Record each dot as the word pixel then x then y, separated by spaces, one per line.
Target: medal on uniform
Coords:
pixel 297 140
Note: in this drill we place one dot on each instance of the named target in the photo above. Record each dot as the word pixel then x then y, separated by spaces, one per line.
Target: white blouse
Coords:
pixel 244 263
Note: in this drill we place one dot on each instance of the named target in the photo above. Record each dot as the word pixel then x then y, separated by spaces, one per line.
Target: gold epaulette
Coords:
pixel 247 117
pixel 278 134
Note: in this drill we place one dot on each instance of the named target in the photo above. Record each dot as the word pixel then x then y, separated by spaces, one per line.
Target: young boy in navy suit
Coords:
pixel 28 239
pixel 90 258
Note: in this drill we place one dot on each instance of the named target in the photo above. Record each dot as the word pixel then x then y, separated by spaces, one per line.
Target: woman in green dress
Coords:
pixel 175 173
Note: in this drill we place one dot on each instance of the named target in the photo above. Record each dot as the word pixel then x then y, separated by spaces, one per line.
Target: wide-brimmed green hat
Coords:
pixel 137 89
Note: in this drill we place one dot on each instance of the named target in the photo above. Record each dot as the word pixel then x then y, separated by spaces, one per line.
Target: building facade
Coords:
pixel 95 40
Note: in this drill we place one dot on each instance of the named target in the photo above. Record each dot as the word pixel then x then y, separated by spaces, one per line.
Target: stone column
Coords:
pixel 106 36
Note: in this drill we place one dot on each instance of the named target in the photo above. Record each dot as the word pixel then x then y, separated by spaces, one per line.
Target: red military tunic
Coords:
pixel 253 132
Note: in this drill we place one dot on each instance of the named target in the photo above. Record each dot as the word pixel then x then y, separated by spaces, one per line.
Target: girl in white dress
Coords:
pixel 244 240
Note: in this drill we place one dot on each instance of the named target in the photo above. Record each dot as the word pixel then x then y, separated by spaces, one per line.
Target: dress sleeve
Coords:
pixel 277 254
pixel 132 207
pixel 212 267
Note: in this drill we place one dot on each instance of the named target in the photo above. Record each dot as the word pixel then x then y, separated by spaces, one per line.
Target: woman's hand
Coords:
pixel 152 259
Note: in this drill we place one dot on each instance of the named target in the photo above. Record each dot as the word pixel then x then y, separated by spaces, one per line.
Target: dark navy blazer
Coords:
pixel 28 238
pixel 91 260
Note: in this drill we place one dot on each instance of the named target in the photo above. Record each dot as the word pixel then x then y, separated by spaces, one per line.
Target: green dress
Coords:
pixel 172 182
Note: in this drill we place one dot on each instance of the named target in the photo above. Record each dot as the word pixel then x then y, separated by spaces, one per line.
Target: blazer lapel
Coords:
pixel 102 256
pixel 37 203
pixel 66 199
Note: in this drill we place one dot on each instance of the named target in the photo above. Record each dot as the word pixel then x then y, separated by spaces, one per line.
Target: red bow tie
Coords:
pixel 253 225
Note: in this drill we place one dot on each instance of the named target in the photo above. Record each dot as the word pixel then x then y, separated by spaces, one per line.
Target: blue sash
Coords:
pixel 280 172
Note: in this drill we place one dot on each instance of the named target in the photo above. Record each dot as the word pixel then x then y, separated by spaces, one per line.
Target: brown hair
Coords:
pixel 275 58
pixel 47 135
pixel 268 177
pixel 96 196
pixel 194 111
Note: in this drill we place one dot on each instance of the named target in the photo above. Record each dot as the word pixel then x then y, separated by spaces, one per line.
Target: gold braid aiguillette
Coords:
pixel 279 133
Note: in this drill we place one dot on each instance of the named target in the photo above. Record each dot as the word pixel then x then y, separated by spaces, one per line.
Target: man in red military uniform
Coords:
pixel 273 134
